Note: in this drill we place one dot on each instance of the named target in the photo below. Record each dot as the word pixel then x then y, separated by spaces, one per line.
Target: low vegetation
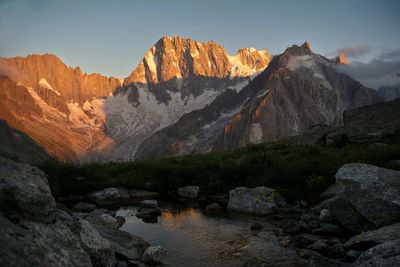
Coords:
pixel 298 171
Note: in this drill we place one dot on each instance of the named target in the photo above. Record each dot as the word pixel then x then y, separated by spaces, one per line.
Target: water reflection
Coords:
pixel 191 237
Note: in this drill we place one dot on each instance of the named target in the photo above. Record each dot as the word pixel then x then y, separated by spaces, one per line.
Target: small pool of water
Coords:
pixel 193 238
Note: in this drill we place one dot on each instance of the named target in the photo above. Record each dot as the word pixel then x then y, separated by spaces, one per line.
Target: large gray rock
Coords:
pixel 33 232
pixel 373 191
pixel 384 255
pixel 344 213
pixel 188 192
pixel 98 248
pixel 259 200
pixel 154 255
pixel 30 243
pixel 108 221
pixel 142 194
pixel 369 239
pixel 25 192
pixel 122 243
pixel 267 249
pixel 111 196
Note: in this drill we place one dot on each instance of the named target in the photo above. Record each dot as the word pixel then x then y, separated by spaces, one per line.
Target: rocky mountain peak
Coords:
pixel 180 58
pixel 306 45
pixel 295 50
pixel 341 59
pixel 248 61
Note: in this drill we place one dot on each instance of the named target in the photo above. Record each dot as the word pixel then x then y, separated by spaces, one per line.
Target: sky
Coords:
pixel 111 37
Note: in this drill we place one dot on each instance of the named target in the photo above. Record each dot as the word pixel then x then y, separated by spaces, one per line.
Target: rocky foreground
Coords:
pixel 35 232
pixel 358 223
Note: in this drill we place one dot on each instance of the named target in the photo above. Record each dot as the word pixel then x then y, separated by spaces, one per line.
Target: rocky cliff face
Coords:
pixel 178 58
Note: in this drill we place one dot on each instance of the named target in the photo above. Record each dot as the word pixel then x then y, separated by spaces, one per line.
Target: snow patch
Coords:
pixel 296 62
pixel 47 109
pixel 194 53
pixel 149 58
pixel 43 83
pixel 239 69
pixel 256 133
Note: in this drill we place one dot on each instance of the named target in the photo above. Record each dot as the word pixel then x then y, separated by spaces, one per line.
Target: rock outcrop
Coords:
pixel 383 255
pixel 35 233
pixel 31 232
pixel 369 239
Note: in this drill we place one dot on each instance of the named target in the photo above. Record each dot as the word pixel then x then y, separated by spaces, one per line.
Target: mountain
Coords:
pixel 389 92
pixel 298 90
pixel 341 59
pixel 90 117
pixel 57 106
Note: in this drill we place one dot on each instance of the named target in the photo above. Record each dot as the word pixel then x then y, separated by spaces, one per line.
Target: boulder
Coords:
pixel 373 191
pixel 25 192
pixel 31 231
pixel 154 255
pixel 259 200
pixel 142 194
pixel 191 192
pixel 150 203
pixel 123 244
pixel 344 213
pixel 108 221
pixel 148 212
pixel 98 248
pixel 370 239
pixel 213 208
pixel 84 207
pixel 111 196
pixel 384 255
pixel 267 248
pixel 30 243
pixel 94 215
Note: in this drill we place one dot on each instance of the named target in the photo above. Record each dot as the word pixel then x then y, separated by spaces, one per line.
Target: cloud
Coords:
pixel 7 70
pixel 351 52
pixel 393 54
pixel 384 70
